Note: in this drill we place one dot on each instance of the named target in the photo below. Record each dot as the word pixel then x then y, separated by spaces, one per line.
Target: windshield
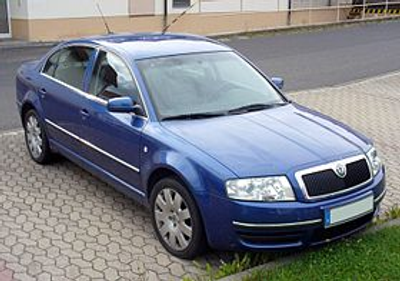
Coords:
pixel 206 84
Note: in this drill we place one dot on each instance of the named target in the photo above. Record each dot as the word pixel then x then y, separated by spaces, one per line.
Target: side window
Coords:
pixel 111 78
pixel 69 65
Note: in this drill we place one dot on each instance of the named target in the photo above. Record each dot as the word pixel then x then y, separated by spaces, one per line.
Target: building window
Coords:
pixel 180 3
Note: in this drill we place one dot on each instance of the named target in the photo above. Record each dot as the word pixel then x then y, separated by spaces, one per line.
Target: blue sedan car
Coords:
pixel 194 131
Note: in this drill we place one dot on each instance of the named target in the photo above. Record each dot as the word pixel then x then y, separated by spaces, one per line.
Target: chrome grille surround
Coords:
pixel 331 166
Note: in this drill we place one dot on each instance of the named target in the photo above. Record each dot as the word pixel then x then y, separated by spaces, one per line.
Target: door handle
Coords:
pixel 42 92
pixel 85 113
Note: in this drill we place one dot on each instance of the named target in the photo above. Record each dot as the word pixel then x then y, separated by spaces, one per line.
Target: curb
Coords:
pixel 284 29
pixel 350 83
pixel 287 260
pixel 368 79
pixel 268 266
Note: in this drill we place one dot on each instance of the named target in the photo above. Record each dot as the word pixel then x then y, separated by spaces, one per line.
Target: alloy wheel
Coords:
pixel 34 137
pixel 173 219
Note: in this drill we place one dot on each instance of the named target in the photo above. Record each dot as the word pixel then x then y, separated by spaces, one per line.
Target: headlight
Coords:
pixel 260 189
pixel 374 160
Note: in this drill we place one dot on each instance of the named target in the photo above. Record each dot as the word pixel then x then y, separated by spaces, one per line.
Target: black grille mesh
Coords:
pixel 327 182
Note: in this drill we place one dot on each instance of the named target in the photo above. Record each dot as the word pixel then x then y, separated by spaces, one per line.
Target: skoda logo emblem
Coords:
pixel 341 170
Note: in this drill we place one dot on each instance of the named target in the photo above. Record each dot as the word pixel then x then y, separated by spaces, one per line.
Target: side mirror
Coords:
pixel 279 82
pixel 124 105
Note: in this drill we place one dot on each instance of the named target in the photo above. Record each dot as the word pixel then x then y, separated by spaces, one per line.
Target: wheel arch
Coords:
pixel 27 106
pixel 162 172
pixel 31 101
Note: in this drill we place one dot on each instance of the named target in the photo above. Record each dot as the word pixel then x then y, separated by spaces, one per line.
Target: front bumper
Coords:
pixel 235 225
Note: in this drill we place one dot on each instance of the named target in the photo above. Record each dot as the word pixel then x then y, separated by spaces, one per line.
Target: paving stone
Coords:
pixel 34 268
pixel 111 274
pixel 91 273
pixel 72 271
pixel 177 269
pixel 163 259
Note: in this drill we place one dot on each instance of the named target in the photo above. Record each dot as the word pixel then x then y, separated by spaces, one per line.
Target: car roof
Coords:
pixel 150 45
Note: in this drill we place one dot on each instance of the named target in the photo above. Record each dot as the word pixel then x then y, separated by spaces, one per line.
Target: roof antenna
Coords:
pixel 165 29
pixel 104 19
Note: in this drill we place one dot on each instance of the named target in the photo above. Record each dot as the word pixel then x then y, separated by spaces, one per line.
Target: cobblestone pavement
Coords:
pixel 60 223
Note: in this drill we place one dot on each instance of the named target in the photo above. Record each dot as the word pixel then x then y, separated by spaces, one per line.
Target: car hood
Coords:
pixel 271 142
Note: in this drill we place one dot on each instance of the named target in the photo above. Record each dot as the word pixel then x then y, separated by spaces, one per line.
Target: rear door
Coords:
pixel 62 96
pixel 114 138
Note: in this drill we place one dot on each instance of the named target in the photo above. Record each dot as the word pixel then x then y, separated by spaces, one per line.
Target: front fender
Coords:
pixel 201 173
pixel 185 169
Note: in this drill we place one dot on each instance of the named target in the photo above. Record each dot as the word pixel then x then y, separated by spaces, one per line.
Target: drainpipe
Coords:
pixel 165 19
pixel 289 19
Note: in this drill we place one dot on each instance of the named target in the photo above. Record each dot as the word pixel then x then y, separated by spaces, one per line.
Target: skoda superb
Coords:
pixel 193 130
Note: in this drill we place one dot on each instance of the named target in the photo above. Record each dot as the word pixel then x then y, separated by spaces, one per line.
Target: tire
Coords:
pixel 179 228
pixel 36 139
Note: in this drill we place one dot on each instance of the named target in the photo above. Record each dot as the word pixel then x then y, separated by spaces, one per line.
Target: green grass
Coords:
pixel 375 256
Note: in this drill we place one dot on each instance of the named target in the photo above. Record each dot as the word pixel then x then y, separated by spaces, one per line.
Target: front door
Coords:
pixel 5 30
pixel 115 138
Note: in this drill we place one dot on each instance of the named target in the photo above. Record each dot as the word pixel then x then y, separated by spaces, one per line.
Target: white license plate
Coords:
pixel 352 211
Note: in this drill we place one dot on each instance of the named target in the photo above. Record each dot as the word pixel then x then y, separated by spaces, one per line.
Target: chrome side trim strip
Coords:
pixel 330 166
pixel 276 225
pixel 141 193
pixel 92 146
pixel 380 197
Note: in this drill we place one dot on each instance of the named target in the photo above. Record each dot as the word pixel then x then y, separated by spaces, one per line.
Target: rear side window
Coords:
pixel 69 65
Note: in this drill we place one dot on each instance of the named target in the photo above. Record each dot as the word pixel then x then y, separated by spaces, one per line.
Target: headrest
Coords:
pixel 109 75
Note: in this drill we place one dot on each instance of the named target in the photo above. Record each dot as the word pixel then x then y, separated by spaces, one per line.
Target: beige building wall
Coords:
pixel 204 24
pixel 53 20
pixel 320 16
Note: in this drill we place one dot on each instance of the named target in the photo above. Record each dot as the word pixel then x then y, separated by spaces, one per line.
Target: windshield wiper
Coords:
pixel 190 116
pixel 255 107
pixel 239 110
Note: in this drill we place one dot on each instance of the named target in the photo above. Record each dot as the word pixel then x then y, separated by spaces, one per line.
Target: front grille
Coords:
pixel 326 181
